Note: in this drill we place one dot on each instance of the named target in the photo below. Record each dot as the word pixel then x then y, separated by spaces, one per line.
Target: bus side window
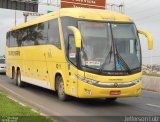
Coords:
pixel 24 36
pixel 13 40
pixel 42 33
pixel 72 49
pixel 53 33
pixel 8 39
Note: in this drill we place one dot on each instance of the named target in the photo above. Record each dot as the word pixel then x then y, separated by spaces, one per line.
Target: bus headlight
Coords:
pixel 109 84
pixel 89 81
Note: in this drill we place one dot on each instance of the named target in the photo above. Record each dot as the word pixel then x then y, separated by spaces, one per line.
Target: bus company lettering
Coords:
pixel 86 1
pixel 14 53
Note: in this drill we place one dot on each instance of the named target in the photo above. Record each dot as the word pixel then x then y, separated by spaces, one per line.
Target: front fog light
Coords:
pixel 88 91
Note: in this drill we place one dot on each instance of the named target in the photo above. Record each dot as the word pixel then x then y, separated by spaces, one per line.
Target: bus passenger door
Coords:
pixel 72 67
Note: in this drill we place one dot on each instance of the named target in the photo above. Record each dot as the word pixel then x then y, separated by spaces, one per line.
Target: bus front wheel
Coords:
pixel 60 89
pixel 18 79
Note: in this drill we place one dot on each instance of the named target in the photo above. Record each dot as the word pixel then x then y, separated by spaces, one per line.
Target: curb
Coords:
pixel 151 83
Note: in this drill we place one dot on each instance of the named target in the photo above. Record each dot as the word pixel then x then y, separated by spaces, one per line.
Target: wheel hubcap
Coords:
pixel 19 79
pixel 61 89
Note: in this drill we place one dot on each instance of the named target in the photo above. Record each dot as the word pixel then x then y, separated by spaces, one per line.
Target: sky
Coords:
pixel 145 13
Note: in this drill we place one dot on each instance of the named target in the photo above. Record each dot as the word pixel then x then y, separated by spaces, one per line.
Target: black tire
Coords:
pixel 60 89
pixel 13 73
pixel 19 83
pixel 111 99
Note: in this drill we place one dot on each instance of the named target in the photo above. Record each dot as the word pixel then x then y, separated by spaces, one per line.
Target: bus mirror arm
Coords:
pixel 149 38
pixel 77 35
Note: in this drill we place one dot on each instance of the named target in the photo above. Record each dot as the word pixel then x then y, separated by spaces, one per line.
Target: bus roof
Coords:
pixel 82 13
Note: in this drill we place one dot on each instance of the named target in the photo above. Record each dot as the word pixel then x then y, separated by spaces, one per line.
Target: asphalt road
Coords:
pixel 82 110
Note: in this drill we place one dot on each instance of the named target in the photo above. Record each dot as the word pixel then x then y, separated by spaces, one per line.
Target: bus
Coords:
pixel 83 53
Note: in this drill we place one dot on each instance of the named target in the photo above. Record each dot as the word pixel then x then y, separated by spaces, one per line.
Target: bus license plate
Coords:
pixel 115 92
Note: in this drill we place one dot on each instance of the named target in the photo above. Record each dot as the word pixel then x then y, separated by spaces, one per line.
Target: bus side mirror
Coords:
pixel 77 35
pixel 149 38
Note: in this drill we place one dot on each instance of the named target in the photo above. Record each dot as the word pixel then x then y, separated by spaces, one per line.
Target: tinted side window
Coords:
pixel 41 32
pixel 13 40
pixel 8 39
pixel 67 21
pixel 72 50
pixel 24 36
pixel 19 37
pixel 53 33
pixel 32 35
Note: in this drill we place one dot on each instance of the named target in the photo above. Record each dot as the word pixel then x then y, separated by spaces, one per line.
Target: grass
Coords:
pixel 13 111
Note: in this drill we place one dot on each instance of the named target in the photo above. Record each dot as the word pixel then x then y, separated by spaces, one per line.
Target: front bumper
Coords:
pixel 86 90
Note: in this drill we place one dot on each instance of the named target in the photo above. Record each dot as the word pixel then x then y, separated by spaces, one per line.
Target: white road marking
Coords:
pixel 32 103
pixel 34 110
pixel 42 114
pixel 12 91
pixel 22 104
pixel 12 99
pixel 16 101
pixel 44 108
pixel 152 105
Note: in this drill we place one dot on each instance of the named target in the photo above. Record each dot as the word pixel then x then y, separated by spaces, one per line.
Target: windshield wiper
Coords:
pixel 124 64
pixel 106 57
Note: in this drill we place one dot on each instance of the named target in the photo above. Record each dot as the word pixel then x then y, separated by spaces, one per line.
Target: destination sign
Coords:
pixel 96 4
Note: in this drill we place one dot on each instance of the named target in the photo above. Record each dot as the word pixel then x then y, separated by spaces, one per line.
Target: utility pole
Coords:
pixel 15 16
pixel 26 14
pixel 48 2
pixel 120 7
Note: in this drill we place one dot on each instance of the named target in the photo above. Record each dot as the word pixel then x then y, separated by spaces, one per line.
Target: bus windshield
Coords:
pixel 96 44
pixel 127 44
pixel 109 47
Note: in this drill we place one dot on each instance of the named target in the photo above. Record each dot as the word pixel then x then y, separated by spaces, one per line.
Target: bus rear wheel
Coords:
pixel 60 89
pixel 13 73
pixel 18 79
